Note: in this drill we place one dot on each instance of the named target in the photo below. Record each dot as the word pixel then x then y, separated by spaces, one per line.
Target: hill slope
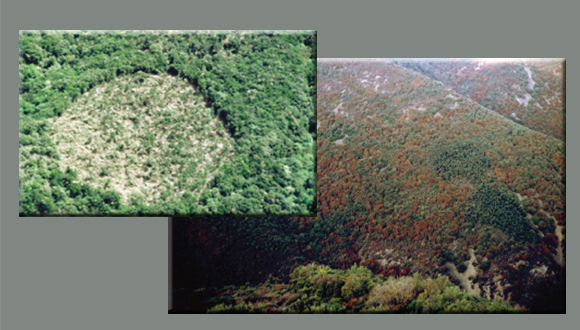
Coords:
pixel 529 92
pixel 415 175
pixel 412 178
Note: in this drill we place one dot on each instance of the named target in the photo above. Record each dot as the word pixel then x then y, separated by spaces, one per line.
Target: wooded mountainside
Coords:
pixel 531 92
pixel 415 180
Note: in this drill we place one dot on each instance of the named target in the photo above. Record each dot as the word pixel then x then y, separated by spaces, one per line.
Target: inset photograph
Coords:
pixel 441 189
pixel 167 123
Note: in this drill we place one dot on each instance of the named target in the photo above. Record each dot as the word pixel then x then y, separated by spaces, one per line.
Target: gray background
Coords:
pixel 111 273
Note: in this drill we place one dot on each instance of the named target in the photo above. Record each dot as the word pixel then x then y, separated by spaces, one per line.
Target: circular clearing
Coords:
pixel 149 137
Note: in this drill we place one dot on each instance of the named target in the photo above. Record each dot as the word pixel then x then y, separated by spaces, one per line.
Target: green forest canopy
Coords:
pixel 261 86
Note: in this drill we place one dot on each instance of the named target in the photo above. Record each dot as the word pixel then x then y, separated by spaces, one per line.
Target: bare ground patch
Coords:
pixel 465 277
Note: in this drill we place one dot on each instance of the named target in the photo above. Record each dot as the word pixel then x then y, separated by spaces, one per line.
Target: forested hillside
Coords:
pixel 152 123
pixel 409 165
pixel 413 178
pixel 528 91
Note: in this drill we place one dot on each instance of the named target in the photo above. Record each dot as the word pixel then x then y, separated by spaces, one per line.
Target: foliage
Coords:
pixel 412 176
pixel 393 295
pixel 498 208
pixel 357 283
pixel 258 86
pixel 453 300
pixel 408 164
pixel 235 309
pixel 463 158
pixel 505 87
pixel 301 295
pixel 317 280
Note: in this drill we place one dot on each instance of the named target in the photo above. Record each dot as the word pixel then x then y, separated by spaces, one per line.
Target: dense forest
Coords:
pixel 159 123
pixel 416 182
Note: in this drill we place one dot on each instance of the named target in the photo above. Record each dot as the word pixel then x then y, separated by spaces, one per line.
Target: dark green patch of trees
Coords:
pixel 500 208
pixel 463 158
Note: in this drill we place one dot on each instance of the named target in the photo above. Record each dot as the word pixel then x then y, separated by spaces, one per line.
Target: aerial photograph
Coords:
pixel 441 188
pixel 167 123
